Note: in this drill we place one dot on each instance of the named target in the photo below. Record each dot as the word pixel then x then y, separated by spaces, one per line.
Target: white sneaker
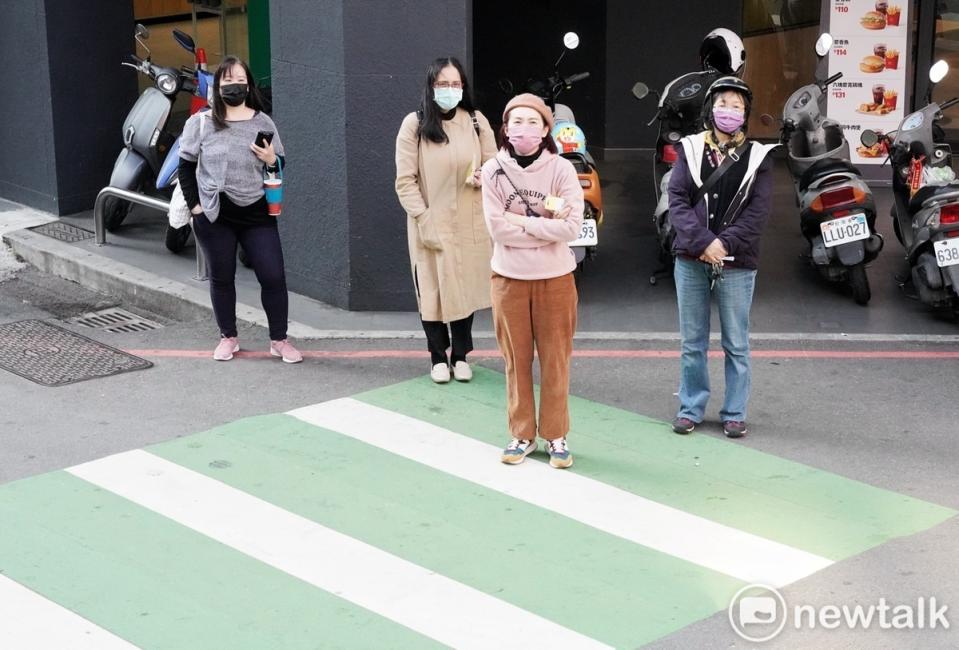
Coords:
pixel 462 371
pixel 559 456
pixel 440 373
pixel 517 450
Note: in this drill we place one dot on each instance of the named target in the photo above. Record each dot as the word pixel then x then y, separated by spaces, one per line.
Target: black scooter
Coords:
pixel 926 209
pixel 679 114
pixel 837 213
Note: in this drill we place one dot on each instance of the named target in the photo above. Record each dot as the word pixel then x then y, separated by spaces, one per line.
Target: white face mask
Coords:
pixel 447 98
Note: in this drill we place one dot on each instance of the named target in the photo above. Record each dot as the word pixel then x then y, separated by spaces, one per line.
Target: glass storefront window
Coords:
pixel 785 32
pixel 947 47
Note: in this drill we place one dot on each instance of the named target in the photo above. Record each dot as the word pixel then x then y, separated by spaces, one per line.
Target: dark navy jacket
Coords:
pixel 740 227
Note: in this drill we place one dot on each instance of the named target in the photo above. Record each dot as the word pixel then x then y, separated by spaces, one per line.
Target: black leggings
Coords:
pixel 438 339
pixel 262 246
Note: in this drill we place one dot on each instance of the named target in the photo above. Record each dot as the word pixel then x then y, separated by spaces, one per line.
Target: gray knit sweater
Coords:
pixel 225 161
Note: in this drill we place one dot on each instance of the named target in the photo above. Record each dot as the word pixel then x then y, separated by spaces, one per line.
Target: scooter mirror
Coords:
pixel 571 40
pixel 185 40
pixel 142 32
pixel 869 138
pixel 824 44
pixel 767 119
pixel 505 86
pixel 938 71
pixel 640 90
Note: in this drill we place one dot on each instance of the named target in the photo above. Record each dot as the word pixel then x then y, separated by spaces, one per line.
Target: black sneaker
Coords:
pixel 734 429
pixel 683 425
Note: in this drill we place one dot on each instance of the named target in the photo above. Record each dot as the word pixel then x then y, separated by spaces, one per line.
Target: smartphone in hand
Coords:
pixel 263 138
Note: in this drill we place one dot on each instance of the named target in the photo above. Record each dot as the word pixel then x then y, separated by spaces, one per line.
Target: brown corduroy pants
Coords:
pixel 540 315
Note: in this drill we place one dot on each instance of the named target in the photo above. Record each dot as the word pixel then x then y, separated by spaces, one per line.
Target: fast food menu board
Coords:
pixel 870 49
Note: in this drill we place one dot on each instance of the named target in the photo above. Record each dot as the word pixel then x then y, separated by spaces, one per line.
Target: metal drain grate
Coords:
pixel 116 321
pixel 64 232
pixel 52 356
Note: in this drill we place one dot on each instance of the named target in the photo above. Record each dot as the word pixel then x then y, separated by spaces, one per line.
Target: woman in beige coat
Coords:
pixel 439 152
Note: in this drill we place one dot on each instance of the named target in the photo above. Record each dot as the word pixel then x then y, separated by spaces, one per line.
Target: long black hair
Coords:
pixel 431 115
pixel 253 98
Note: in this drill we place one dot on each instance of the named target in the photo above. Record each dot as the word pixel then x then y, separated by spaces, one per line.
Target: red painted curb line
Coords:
pixel 578 354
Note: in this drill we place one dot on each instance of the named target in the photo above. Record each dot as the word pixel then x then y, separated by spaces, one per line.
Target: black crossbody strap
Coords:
pixel 728 162
pixel 522 198
pixel 419 119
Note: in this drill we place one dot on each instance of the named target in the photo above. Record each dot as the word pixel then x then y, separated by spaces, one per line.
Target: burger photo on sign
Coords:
pixel 872 64
pixel 873 20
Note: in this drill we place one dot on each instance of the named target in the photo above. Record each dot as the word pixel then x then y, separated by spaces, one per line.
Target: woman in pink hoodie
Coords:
pixel 533 204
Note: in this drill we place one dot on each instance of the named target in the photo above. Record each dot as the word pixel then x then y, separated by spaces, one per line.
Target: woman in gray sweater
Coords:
pixel 221 175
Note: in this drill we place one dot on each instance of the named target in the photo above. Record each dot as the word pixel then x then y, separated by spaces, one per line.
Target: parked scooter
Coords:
pixel 680 113
pixel 837 214
pixel 571 143
pixel 151 153
pixel 926 209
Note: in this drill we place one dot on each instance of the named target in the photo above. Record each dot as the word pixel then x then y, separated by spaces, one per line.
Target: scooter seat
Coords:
pixel 823 168
pixel 926 192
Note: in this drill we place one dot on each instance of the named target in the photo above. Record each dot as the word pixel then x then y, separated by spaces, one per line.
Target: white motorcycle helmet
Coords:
pixel 723 50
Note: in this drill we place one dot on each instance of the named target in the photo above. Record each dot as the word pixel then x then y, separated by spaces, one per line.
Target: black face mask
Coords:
pixel 234 94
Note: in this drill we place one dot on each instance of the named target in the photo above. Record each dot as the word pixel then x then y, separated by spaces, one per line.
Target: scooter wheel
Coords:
pixel 114 212
pixel 860 284
pixel 176 238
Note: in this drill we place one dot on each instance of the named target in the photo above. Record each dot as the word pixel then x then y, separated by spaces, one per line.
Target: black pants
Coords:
pixel 262 245
pixel 438 336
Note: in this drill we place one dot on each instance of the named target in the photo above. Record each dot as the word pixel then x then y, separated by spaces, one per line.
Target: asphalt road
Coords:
pixel 890 423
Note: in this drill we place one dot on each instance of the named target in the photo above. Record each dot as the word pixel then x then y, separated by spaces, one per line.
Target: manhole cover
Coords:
pixel 64 232
pixel 116 321
pixel 52 356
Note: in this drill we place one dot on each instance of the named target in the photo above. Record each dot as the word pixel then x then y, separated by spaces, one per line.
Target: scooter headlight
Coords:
pixel 166 83
pixel 673 137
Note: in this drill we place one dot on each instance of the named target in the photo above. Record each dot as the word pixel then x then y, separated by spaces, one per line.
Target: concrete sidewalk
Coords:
pixel 616 300
pixel 136 266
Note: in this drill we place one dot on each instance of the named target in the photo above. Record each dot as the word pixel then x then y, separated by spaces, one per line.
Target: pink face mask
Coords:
pixel 525 138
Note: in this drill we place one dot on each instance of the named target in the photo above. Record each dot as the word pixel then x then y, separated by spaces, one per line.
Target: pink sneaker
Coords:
pixel 224 351
pixel 286 350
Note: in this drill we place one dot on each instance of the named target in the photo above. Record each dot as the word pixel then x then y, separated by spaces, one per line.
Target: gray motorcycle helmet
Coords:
pixel 721 85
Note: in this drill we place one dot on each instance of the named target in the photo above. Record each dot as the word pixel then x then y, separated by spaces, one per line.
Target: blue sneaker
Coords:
pixel 517 451
pixel 683 426
pixel 734 428
pixel 559 456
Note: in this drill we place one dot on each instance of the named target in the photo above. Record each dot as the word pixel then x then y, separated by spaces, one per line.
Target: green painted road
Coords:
pixel 395 526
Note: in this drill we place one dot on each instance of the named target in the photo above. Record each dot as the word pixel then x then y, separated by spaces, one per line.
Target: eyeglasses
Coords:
pixel 448 84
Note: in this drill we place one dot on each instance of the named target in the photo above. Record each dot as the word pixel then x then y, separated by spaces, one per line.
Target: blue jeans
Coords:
pixel 734 294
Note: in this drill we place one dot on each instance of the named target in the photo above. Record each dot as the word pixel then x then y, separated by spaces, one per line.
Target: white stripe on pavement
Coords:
pixel 728 550
pixel 434 605
pixel 28 620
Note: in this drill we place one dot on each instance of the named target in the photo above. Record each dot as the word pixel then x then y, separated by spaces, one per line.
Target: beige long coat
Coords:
pixel 453 282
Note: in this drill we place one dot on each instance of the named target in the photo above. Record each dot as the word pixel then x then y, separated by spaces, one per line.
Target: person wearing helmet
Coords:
pixel 719 200
pixel 722 50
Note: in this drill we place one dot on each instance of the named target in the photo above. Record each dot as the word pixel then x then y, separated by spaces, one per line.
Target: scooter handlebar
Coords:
pixel 831 80
pixel 949 104
pixel 579 76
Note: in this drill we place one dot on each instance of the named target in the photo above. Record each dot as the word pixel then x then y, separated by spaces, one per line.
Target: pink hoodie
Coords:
pixel 539 250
